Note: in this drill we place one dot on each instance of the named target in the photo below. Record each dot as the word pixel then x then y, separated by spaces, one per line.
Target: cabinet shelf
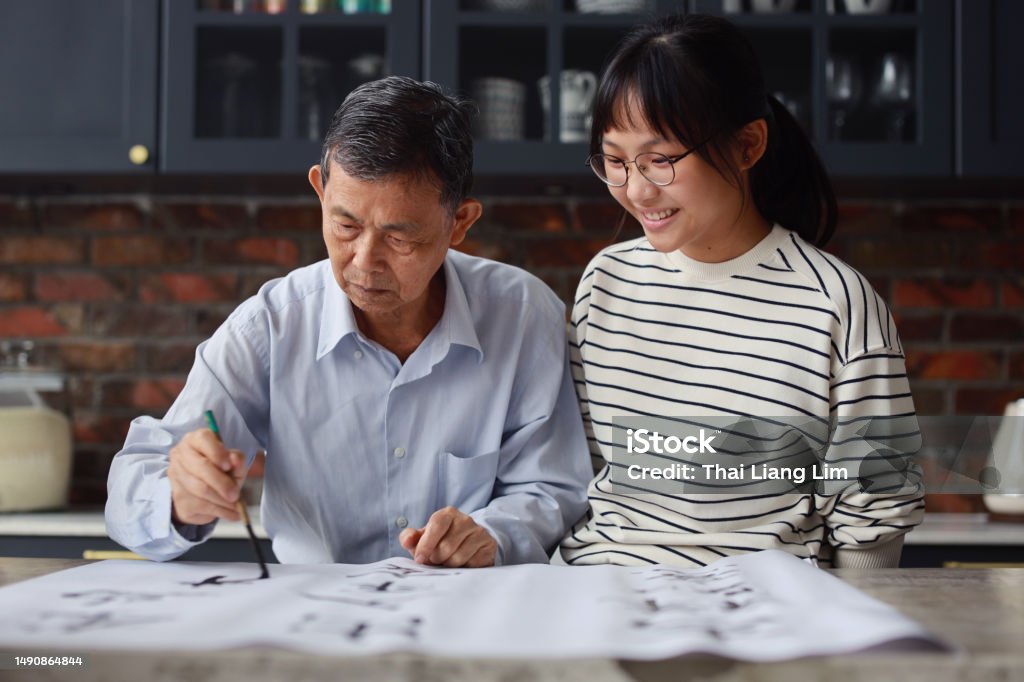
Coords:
pixel 545 19
pixel 824 21
pixel 530 157
pixel 284 19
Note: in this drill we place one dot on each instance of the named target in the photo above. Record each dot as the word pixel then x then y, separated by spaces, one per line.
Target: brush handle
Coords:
pixel 240 505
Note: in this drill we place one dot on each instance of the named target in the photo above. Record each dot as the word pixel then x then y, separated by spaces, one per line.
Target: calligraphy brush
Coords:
pixel 240 505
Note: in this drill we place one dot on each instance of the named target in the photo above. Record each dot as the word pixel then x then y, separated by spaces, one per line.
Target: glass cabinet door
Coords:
pixel 887 86
pixel 531 66
pixel 250 85
pixel 990 100
pixel 869 79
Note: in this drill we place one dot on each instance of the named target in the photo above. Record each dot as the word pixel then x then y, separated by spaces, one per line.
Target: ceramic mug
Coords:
pixel 577 94
pixel 867 6
pixel 1007 460
pixel 772 6
pixel 502 105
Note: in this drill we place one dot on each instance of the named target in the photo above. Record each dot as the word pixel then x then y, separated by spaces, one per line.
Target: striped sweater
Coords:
pixel 785 330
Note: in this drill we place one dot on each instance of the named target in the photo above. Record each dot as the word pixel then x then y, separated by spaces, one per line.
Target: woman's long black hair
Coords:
pixel 696 78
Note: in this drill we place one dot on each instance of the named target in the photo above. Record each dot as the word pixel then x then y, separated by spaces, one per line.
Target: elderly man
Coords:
pixel 410 398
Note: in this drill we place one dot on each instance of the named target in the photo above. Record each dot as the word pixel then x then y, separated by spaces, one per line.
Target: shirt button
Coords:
pixel 358 354
pixel 401 522
pixel 399 453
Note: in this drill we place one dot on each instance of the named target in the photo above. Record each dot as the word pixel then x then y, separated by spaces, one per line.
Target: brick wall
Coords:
pixel 118 290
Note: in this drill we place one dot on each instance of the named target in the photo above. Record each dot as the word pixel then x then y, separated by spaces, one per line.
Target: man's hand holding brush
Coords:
pixel 205 479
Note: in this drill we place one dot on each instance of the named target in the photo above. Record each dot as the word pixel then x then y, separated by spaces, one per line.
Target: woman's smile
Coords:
pixel 656 219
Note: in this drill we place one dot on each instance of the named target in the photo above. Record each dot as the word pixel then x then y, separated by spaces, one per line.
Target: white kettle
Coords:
pixel 1008 459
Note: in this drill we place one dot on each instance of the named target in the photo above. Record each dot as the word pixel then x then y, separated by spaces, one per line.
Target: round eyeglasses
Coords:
pixel 658 168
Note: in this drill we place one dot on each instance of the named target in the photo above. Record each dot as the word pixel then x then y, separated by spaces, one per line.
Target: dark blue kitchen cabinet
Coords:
pixel 79 84
pixel 249 87
pixel 990 102
pixel 923 89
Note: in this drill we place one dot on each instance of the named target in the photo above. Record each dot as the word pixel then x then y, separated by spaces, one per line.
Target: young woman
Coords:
pixel 727 308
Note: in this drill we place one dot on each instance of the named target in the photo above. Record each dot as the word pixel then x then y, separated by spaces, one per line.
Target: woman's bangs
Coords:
pixel 641 98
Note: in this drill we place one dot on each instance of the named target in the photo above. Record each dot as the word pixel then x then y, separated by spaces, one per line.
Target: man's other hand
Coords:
pixel 451 539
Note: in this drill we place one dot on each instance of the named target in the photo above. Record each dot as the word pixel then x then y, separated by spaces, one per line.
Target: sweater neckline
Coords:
pixel 759 253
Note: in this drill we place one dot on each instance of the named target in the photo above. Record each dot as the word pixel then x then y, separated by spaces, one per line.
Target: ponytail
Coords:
pixel 789 184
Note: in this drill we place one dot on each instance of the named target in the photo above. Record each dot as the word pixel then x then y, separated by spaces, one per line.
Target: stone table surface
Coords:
pixel 978 611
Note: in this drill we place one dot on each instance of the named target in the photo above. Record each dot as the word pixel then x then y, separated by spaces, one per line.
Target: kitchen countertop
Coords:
pixel 979 611
pixel 965 529
pixel 90 523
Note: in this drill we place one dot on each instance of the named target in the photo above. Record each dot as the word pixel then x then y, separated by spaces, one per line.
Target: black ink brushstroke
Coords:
pixel 220 580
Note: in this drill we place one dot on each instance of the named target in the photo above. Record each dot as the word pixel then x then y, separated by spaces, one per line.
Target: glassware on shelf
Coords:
pixel 317 97
pixel 232 98
pixel 361 69
pixel 243 6
pixel 345 6
pixel 360 6
pixel 893 94
pixel 795 104
pixel 365 68
pixel 16 354
pixel 843 91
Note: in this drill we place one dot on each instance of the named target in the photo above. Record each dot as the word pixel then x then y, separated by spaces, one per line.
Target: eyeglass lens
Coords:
pixel 655 167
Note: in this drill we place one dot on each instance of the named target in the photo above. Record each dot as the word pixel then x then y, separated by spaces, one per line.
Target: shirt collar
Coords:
pixel 338 321
pixel 457 316
pixel 336 317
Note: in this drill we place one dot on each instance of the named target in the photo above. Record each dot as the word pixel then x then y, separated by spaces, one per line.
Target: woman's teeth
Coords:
pixel 660 215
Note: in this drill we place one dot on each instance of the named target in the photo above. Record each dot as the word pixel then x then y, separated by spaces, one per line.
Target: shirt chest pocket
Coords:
pixel 467 482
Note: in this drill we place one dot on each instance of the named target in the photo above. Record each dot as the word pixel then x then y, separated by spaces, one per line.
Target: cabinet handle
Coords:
pixel 138 154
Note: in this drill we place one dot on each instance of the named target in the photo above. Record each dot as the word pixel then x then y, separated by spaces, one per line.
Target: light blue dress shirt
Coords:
pixel 482 417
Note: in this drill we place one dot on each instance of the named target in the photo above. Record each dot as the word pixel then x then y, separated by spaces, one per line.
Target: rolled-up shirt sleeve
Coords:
pixel 138 508
pixel 875 438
